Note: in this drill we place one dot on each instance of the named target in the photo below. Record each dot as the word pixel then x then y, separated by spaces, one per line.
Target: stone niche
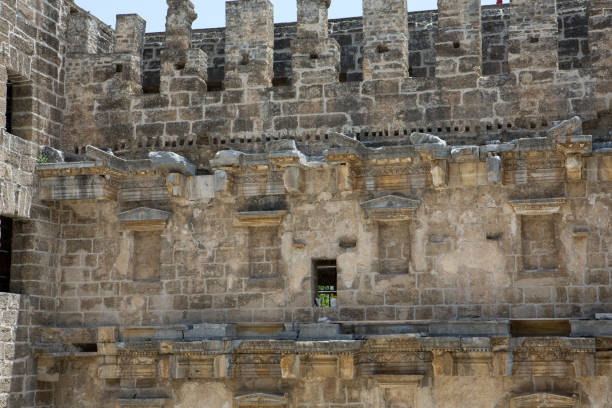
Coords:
pixel 393 215
pixel 263 242
pixel 144 227
pixel 539 243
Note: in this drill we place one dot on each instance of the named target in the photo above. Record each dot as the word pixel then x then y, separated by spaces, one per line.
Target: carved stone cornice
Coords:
pixel 539 206
pixel 144 219
pixel 543 400
pixel 260 400
pixel 259 218
pixel 391 208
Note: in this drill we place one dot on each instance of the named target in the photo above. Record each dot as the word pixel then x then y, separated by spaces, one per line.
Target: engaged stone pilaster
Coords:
pixel 458 44
pixel 315 56
pixel 533 35
pixel 249 44
pixel 385 28
pixel 129 34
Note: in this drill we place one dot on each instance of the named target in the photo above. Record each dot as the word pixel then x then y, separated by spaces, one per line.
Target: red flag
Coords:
pixel 500 2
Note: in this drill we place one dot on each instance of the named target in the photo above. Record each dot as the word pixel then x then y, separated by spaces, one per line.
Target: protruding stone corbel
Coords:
pixel 259 218
pixel 537 206
pixel 433 150
pixel 144 219
pixel 574 148
pixel 391 208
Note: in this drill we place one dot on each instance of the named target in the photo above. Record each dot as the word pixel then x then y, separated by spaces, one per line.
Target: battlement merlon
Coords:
pixel 385 30
pixel 129 34
pixel 249 44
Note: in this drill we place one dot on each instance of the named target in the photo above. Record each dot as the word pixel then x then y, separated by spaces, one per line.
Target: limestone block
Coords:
pixel 346 364
pixel 107 334
pixel 47 369
pixel 222 366
pixel 290 366
pixel 439 173
pixel 312 18
pixel 172 162
pixel 568 127
pixel 425 138
pixel 200 187
pixel 226 158
pixel 109 371
pixel 494 169
pixel 52 155
pixel 176 184
pixel 573 166
pixel 293 179
pixel 129 34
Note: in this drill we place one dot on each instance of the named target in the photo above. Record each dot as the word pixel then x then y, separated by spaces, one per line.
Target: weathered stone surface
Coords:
pixel 366 212
pixel 172 162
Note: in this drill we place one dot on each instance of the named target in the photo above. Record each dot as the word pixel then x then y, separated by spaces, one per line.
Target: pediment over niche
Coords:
pixel 544 400
pixel 539 206
pixel 391 208
pixel 144 219
pixel 258 400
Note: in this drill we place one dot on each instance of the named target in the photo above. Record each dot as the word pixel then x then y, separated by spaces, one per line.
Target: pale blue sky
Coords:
pixel 211 13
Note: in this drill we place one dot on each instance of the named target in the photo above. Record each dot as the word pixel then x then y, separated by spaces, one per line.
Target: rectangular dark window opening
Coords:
pixel 325 283
pixel 9 106
pixel 6 235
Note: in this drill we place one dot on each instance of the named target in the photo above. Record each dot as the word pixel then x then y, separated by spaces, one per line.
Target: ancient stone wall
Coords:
pixel 517 230
pixel 391 211
pixel 443 93
pixel 32 60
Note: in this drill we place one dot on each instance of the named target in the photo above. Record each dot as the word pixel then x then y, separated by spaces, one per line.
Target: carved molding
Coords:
pixel 391 208
pixel 543 400
pixel 260 400
pixel 259 218
pixel 144 219
pixel 539 206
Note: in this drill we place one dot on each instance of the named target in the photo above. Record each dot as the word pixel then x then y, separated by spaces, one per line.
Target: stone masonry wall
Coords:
pixel 17 367
pixel 466 253
pixel 445 94
pixel 33 44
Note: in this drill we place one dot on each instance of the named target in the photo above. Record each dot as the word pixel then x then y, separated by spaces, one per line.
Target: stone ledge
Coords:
pixel 259 218
pixel 539 206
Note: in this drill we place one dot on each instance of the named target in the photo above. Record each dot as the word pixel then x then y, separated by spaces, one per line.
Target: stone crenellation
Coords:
pixel 394 210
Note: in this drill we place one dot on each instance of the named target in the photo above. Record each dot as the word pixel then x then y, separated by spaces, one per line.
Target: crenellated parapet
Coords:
pixel 468 74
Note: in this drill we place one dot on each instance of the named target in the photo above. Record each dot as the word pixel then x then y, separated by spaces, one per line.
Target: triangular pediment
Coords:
pixel 390 202
pixel 144 218
pixel 391 208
